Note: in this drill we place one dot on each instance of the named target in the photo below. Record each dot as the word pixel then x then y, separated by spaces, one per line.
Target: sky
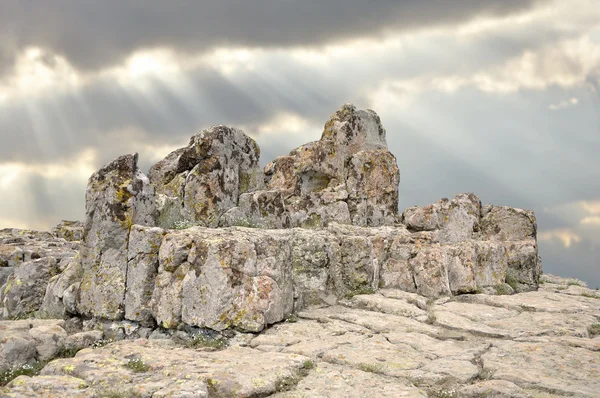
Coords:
pixel 497 97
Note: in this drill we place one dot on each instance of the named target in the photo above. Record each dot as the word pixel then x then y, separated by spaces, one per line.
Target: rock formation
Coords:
pixel 392 343
pixel 208 245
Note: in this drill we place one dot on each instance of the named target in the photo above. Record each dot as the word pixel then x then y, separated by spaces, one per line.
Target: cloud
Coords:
pixel 37 197
pixel 566 236
pixel 564 104
pixel 593 220
pixel 165 96
pixel 92 35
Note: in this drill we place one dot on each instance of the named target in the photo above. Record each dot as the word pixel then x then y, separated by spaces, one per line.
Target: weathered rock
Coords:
pixel 348 176
pixel 547 366
pixel 201 182
pixel 48 386
pixel 493 389
pixel 508 224
pixel 84 339
pixel 457 219
pixel 10 256
pixel 69 230
pixel 24 290
pixel 335 381
pixel 25 342
pixel 142 269
pixel 202 283
pixel 118 196
pixel 18 248
pixel 240 278
pixel 233 372
pixel 49 340
pixel 395 344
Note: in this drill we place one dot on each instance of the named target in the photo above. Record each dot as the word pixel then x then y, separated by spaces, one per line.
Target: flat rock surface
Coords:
pixel 389 344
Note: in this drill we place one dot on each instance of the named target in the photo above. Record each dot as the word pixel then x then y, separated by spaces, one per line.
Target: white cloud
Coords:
pixel 590 220
pixel 564 235
pixel 564 104
pixel 37 71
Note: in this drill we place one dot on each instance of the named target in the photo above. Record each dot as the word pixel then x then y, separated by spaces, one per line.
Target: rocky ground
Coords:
pixel 388 344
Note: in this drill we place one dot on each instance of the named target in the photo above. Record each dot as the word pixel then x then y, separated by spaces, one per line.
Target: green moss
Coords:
pixel 359 290
pixel 137 365
pixel 594 329
pixel 313 221
pixel 244 183
pixel 291 318
pixel 512 282
pixel 372 368
pixel 309 364
pixel 200 340
pixel 502 290
pixel 431 318
pixel 24 370
pixel 118 393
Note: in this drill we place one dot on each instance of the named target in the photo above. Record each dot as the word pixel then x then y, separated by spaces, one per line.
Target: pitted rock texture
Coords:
pixel 348 176
pixel 200 182
pixel 248 278
pixel 504 240
pixel 390 344
pixel 118 196
pixel 27 342
pixel 69 230
pixel 28 261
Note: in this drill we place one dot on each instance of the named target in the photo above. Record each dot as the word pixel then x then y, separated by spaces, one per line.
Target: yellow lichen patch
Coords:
pixel 258 383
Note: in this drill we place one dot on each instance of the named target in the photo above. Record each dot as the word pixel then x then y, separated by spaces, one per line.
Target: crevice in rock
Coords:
pixel 483 374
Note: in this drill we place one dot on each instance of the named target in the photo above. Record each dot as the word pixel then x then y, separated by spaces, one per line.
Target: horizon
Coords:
pixel 501 99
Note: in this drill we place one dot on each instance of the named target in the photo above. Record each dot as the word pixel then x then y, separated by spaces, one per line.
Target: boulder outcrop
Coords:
pixel 348 176
pixel 209 240
pixel 197 184
pixel 212 277
pixel 118 196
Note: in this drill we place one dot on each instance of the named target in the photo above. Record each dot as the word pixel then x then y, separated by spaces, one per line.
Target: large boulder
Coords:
pixel 28 261
pixel 59 298
pixel 200 182
pixel 504 241
pixel 24 290
pixel 455 220
pixel 118 196
pixel 348 176
pixel 235 278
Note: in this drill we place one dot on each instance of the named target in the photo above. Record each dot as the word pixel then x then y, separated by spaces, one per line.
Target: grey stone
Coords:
pixel 118 196
pixel 24 290
pixel 142 268
pixel 202 181
pixel 507 224
pixel 69 230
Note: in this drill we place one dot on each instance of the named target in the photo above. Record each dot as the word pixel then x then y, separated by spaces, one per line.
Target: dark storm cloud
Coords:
pixel 93 34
